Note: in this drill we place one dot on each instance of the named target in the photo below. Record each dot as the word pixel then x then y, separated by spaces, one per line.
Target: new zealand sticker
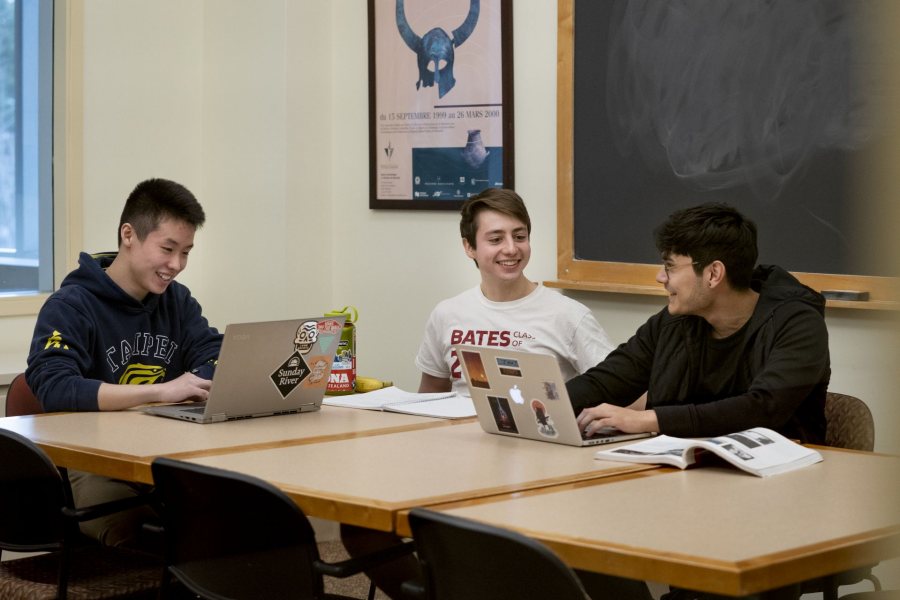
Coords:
pixel 290 374
pixel 327 330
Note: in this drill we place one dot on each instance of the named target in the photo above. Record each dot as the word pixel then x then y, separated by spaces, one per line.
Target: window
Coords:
pixel 26 153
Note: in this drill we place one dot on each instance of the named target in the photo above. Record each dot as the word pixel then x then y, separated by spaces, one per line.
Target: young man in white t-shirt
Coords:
pixel 506 309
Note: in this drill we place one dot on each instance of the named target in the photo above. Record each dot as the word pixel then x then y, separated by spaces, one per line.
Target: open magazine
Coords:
pixel 760 451
pixel 443 405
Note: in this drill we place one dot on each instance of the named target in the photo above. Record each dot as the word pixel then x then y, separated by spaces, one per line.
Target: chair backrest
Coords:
pixel 20 400
pixel 848 422
pixel 234 536
pixel 32 496
pixel 465 559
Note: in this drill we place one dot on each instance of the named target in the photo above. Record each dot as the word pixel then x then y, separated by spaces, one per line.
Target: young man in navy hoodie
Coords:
pixel 120 320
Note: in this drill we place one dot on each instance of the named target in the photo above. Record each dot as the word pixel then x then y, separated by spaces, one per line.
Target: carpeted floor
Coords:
pixel 356 586
pixel 332 551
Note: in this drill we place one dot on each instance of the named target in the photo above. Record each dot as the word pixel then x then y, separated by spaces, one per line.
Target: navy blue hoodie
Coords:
pixel 91 331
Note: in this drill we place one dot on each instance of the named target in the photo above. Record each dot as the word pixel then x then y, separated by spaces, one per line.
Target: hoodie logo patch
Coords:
pixel 139 374
pixel 55 341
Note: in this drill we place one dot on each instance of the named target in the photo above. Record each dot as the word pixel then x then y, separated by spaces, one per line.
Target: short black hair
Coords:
pixel 710 232
pixel 154 200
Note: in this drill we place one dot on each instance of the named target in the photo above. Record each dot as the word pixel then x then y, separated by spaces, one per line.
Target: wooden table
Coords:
pixel 711 528
pixel 123 444
pixel 716 529
pixel 368 482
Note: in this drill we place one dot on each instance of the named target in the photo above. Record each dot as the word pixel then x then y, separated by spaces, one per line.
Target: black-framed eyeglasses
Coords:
pixel 669 268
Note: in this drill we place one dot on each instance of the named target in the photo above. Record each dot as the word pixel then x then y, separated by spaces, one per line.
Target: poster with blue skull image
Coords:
pixel 438 114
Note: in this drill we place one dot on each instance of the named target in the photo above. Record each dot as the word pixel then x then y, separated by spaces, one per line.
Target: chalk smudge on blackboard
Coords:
pixel 729 94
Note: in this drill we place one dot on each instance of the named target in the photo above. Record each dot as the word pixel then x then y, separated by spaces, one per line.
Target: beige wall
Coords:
pixel 261 109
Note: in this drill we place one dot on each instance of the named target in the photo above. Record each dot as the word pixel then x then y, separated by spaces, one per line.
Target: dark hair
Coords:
pixel 499 199
pixel 154 200
pixel 711 232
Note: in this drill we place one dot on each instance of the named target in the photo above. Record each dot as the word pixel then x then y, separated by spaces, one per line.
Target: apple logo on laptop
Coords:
pixel 516 394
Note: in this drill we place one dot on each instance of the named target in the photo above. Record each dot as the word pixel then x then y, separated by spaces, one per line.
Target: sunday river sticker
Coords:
pixel 294 370
pixel 290 374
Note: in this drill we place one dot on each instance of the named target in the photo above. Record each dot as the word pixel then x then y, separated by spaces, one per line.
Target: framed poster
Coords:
pixel 440 98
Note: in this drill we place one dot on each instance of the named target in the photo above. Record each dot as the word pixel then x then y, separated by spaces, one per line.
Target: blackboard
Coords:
pixel 770 106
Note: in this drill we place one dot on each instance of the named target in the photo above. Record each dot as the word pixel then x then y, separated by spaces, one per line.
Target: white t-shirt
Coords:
pixel 543 321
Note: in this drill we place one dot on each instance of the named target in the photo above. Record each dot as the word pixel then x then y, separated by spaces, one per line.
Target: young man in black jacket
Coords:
pixel 738 346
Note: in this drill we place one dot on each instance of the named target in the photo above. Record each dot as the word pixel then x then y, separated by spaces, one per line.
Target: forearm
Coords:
pixel 113 396
pixel 59 390
pixel 640 403
pixel 184 387
pixel 758 407
pixel 639 421
pixel 430 383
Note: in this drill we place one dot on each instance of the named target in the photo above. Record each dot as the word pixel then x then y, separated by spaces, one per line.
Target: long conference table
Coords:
pixel 711 528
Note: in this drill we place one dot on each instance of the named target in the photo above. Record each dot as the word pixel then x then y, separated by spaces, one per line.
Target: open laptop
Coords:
pixel 523 394
pixel 266 368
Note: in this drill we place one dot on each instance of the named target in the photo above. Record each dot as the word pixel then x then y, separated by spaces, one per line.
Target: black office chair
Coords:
pixel 37 515
pixel 228 535
pixel 465 559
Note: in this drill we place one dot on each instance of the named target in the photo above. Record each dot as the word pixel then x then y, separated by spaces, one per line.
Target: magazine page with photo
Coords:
pixel 759 451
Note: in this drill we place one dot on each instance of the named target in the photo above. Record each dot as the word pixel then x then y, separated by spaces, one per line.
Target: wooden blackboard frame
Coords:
pixel 631 278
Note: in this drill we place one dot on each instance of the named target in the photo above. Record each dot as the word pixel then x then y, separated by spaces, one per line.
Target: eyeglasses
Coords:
pixel 669 268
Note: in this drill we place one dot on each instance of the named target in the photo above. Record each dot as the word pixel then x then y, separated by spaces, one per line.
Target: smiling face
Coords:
pixel 150 265
pixel 687 293
pixel 502 248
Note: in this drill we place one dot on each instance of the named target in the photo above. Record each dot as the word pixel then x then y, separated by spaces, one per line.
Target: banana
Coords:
pixel 368 384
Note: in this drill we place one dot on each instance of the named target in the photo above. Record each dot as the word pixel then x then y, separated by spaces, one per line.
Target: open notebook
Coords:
pixel 444 405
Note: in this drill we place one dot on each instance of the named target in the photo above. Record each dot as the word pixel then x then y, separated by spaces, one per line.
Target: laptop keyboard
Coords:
pixel 603 432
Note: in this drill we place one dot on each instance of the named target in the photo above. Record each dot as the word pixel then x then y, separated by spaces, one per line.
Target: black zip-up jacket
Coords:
pixel 777 374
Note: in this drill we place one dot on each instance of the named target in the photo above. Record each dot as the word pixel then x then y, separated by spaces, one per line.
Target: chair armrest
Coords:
pixel 153 528
pixel 413 589
pixel 107 508
pixel 352 566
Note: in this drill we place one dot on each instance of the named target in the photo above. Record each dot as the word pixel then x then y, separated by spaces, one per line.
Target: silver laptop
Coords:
pixel 523 394
pixel 266 368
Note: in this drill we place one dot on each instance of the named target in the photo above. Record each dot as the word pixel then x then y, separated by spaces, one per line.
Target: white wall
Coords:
pixel 262 110
pixel 141 104
pixel 213 94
